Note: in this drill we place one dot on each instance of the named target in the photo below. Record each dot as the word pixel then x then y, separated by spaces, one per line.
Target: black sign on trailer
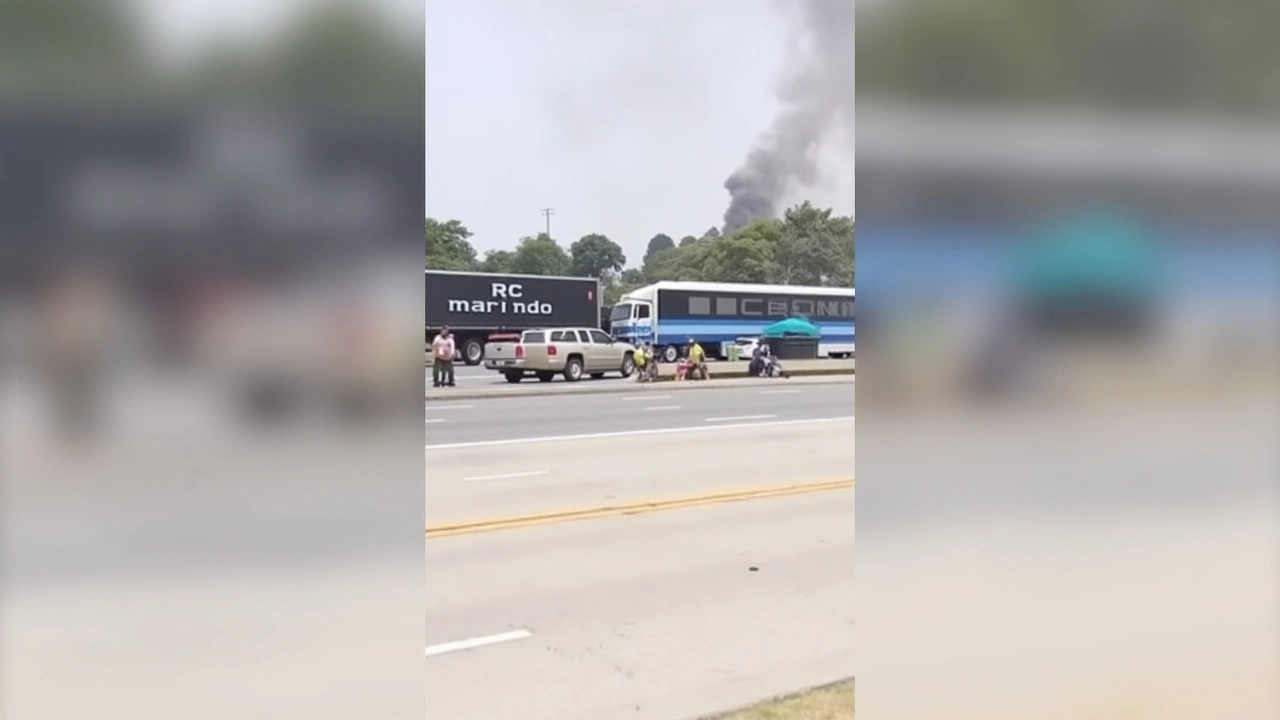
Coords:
pixel 486 301
pixel 694 305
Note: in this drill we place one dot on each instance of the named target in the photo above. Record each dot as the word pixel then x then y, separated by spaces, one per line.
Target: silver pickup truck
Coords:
pixel 572 352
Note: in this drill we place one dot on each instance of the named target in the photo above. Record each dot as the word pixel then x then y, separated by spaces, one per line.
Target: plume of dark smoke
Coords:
pixel 819 90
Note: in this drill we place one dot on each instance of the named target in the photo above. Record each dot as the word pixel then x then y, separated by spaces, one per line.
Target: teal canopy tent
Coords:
pixel 1095 274
pixel 792 327
pixel 1092 253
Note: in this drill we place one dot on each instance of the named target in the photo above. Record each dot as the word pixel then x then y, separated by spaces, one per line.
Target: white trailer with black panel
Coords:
pixel 475 305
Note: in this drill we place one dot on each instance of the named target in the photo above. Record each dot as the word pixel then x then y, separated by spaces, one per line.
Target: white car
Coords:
pixel 746 347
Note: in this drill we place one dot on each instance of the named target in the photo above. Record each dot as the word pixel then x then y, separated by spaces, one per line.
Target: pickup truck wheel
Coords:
pixel 546 376
pixel 514 377
pixel 472 352
pixel 628 365
pixel 573 370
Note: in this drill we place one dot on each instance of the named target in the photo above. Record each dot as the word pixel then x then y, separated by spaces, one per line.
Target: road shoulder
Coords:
pixel 827 702
pixel 595 387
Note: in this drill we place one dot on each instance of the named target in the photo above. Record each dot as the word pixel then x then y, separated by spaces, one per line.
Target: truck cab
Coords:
pixel 631 321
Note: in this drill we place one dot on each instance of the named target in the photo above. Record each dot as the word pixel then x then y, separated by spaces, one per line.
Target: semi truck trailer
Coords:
pixel 477 305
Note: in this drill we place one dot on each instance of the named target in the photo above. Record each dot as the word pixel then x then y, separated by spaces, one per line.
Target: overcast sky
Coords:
pixel 626 117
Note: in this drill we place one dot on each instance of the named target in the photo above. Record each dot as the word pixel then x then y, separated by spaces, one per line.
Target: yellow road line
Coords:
pixel 633 508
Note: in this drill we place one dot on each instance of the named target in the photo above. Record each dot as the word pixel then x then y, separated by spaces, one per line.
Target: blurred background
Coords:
pixel 1070 286
pixel 210 216
pixel 1067 447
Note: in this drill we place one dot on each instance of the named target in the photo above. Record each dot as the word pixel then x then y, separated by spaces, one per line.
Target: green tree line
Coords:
pixel 808 245
pixel 336 52
pixel 1148 54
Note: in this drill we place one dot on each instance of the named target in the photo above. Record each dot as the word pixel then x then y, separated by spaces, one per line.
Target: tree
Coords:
pixel 334 52
pixel 662 266
pixel 711 234
pixel 815 247
pixel 746 255
pixel 448 247
pixel 629 280
pixel 657 244
pixel 686 263
pixel 540 255
pixel 1218 56
pixel 596 256
pixel 72 46
pixel 498 261
pixel 808 246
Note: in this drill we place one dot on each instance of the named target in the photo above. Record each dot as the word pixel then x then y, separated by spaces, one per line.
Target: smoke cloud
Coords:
pixel 819 90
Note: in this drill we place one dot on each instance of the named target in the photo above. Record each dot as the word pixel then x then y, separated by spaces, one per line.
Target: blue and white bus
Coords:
pixel 668 313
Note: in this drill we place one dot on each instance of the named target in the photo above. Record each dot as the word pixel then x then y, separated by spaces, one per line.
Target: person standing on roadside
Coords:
pixel 756 366
pixel 79 324
pixel 442 349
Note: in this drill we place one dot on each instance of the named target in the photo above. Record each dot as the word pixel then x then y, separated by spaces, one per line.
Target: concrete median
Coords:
pixel 738 369
pixel 719 375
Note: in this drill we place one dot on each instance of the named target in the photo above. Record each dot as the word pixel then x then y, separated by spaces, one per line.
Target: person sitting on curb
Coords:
pixel 641 360
pixel 697 360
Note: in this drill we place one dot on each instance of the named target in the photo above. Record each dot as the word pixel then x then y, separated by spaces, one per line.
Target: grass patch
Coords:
pixel 829 702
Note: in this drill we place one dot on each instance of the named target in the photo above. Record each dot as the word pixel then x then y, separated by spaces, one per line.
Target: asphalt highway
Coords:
pixel 477 376
pixel 176 550
pixel 649 409
pixel 1034 565
pixel 667 615
pixel 500 479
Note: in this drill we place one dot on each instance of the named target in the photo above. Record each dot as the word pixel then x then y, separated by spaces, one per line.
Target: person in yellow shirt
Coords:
pixel 697 360
pixel 638 359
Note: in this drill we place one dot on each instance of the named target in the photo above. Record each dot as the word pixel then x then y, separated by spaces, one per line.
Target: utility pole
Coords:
pixel 547 213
